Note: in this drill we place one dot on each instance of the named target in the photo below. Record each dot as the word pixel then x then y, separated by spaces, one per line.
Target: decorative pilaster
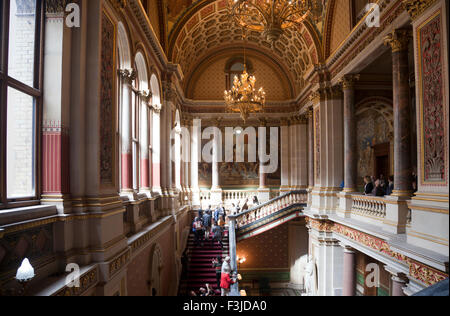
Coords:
pixel 285 156
pixel 310 149
pixel 127 76
pixel 145 97
pixel 263 190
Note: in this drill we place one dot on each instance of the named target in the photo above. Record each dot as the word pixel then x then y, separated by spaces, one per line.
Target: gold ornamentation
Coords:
pixel 87 280
pixel 348 81
pixel 119 263
pixel 415 8
pixel 398 40
pixel 272 17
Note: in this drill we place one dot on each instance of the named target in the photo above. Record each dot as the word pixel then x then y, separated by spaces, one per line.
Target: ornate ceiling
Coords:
pixel 205 27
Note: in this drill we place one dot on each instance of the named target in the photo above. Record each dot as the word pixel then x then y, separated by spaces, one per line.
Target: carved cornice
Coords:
pixel 55 6
pixel 87 280
pixel 398 40
pixel 415 8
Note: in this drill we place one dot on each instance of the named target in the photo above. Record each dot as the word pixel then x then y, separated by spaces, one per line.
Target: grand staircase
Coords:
pixel 244 225
pixel 269 215
pixel 199 270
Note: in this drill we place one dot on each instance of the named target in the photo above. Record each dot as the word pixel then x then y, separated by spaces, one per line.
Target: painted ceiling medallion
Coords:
pixel 272 17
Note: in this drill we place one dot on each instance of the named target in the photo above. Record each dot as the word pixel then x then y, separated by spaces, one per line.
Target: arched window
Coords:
pixel 127 111
pixel 177 150
pixel 142 144
pixel 156 132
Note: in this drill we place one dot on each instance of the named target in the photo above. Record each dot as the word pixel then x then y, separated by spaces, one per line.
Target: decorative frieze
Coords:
pixel 118 263
pixel 87 280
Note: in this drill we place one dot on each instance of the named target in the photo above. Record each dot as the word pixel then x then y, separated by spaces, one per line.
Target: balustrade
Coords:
pixel 369 206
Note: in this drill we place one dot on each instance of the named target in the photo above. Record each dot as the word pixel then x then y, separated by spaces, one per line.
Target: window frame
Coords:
pixel 34 91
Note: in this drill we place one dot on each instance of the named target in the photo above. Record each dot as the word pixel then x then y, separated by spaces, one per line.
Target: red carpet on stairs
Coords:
pixel 198 269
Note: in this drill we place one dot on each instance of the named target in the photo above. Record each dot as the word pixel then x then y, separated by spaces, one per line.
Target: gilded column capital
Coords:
pixel 318 96
pixel 348 81
pixel 398 40
pixel 415 8
pixel 127 75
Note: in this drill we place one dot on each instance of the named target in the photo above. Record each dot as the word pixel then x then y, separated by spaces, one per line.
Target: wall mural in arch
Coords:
pixel 238 173
pixel 373 129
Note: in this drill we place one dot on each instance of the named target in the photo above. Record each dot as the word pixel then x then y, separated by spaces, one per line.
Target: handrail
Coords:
pixel 234 216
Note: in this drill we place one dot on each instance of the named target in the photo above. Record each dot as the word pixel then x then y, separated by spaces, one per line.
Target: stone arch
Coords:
pixel 142 73
pixel 123 47
pixel 375 125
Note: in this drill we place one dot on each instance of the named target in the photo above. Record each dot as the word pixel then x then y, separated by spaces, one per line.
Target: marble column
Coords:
pixel 398 283
pixel 195 159
pixel 127 77
pixel 398 40
pixel 216 191
pixel 349 285
pixel 293 158
pixel 302 157
pixel 397 207
pixel 350 160
pixel 285 161
pixel 156 148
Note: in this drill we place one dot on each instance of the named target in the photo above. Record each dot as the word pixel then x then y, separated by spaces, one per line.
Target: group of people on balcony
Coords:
pixel 380 187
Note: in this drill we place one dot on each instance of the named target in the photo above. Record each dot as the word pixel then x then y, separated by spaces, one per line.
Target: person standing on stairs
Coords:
pixel 217 264
pixel 207 218
pixel 226 281
pixel 217 235
pixel 198 231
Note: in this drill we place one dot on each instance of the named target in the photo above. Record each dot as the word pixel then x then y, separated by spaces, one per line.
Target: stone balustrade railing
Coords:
pixel 372 206
pixel 270 207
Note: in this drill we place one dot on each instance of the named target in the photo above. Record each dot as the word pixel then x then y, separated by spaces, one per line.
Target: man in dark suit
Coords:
pixel 368 188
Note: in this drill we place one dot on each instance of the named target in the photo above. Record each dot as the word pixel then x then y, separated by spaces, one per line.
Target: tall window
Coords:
pixel 20 100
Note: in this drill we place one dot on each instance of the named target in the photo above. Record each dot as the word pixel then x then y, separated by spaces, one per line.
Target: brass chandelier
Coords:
pixel 243 97
pixel 272 17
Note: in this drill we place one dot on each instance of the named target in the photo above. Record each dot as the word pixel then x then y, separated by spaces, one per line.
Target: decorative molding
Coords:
pixel 415 8
pixel 118 263
pixel 87 281
pixel 348 81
